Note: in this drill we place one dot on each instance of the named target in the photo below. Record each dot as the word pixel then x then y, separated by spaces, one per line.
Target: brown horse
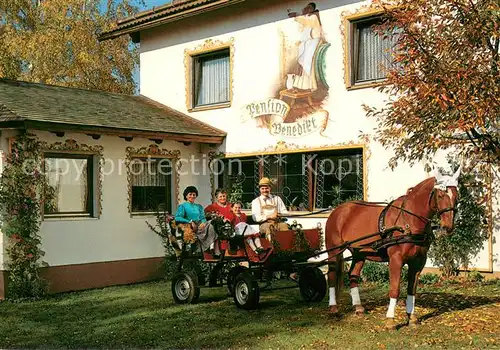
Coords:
pixel 399 233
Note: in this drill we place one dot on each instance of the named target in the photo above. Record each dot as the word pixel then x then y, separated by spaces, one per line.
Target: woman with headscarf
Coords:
pixel 192 214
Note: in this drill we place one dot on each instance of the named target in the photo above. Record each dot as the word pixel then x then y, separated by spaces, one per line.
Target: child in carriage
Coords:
pixel 241 228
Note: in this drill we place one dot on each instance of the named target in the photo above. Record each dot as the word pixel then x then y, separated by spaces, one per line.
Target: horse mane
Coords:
pixel 415 190
pixel 420 186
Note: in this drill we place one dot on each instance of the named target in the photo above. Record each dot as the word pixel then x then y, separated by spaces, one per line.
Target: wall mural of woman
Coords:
pixel 310 38
pixel 297 108
pixel 303 50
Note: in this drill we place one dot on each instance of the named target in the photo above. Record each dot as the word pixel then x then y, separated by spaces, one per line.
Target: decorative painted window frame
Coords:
pixel 210 45
pixel 152 151
pixel 282 147
pixel 72 147
pixel 346 32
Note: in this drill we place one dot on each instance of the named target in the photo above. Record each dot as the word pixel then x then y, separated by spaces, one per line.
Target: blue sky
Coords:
pixel 148 3
pixel 151 3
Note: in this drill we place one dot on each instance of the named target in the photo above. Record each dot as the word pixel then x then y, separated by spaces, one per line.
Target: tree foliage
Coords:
pixel 444 84
pixel 55 42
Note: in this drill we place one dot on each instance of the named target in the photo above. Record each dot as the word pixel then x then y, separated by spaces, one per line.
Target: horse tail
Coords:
pixel 339 273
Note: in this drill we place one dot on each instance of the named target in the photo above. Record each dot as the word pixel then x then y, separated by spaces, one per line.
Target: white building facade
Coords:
pixel 314 140
pixel 287 90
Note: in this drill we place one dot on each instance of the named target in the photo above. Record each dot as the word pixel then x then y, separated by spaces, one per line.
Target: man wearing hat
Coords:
pixel 267 207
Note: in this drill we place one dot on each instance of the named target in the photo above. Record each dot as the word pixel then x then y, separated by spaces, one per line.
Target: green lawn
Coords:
pixel 141 316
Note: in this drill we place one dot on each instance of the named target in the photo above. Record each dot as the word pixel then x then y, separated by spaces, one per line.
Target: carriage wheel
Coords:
pixel 312 284
pixel 185 288
pixel 246 291
pixel 231 277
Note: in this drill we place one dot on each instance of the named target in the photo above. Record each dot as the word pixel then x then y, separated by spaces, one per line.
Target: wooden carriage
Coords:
pixel 246 274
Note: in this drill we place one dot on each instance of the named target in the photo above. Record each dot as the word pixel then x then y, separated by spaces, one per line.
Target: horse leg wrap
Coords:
pixel 355 296
pixel 410 304
pixel 392 307
pixel 333 299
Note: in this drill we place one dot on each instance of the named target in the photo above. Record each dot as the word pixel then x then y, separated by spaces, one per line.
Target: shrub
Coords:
pixel 165 229
pixel 492 282
pixel 404 274
pixel 375 272
pixel 451 281
pixel 429 278
pixel 379 272
pixel 475 276
pixel 21 203
pixel 450 252
pixel 236 192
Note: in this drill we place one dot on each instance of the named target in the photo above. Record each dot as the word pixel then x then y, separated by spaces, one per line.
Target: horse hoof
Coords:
pixel 390 325
pixel 359 311
pixel 334 310
pixel 413 321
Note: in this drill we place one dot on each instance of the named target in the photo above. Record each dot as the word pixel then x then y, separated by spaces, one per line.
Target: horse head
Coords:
pixel 444 198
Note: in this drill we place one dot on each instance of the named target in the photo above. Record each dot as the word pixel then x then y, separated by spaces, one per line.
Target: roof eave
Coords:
pixel 134 29
pixel 90 129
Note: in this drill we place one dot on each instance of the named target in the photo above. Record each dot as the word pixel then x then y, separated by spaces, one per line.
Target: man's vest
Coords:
pixel 268 207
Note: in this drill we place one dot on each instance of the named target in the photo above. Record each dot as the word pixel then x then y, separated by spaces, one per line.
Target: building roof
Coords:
pixel 55 108
pixel 176 10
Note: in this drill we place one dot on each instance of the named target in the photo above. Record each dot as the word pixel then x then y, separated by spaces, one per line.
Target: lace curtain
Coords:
pixel 211 79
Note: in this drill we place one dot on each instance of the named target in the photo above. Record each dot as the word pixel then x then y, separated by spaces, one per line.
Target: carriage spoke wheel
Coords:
pixel 185 288
pixel 246 291
pixel 312 284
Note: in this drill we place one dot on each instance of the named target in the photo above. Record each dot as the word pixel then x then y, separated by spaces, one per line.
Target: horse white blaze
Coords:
pixel 355 296
pixel 391 311
pixel 333 299
pixel 410 304
pixel 449 192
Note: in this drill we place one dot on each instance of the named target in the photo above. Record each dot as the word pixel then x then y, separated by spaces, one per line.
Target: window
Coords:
pixel 338 178
pixel 369 53
pixel 305 181
pixel 151 184
pixel 289 171
pixel 211 78
pixel 70 186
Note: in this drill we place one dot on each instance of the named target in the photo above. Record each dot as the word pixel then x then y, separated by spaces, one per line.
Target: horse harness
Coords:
pixel 388 239
pixel 423 238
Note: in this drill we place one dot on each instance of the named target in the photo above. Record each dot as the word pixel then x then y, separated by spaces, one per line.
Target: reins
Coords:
pixel 358 203
pixel 309 214
pixel 388 204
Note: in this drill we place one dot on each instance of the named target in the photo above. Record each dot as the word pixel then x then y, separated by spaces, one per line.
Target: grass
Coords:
pixel 144 316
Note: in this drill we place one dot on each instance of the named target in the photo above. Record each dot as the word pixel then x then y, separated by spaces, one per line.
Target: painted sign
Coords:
pixel 272 114
pixel 302 127
pixel 270 106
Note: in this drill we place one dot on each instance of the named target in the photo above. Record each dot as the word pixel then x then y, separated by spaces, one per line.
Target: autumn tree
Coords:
pixel 444 85
pixel 55 42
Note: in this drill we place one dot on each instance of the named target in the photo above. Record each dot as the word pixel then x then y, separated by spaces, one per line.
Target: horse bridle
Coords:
pixel 440 212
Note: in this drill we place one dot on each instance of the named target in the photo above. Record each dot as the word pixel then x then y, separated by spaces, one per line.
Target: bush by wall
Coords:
pixel 456 250
pixel 21 202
